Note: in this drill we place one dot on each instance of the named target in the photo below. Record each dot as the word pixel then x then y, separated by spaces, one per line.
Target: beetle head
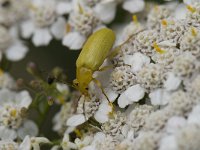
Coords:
pixel 81 86
pixel 84 77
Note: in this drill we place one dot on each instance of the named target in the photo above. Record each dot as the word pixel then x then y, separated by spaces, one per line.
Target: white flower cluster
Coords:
pixel 153 88
pixel 16 130
pixel 148 100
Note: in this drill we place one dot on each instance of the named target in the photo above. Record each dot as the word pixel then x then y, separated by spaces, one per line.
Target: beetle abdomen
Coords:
pixel 96 49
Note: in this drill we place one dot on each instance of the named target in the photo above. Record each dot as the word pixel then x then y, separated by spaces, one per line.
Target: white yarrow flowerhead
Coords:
pixel 44 23
pixel 13 107
pixel 82 23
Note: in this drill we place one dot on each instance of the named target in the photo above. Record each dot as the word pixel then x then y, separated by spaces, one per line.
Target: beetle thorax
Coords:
pixel 84 77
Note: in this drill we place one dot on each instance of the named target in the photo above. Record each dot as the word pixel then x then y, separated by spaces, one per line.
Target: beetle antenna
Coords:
pixel 50 79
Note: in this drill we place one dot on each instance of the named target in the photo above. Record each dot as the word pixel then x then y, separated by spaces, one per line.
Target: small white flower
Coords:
pixel 13 107
pixel 44 23
pixel 32 143
pixel 8 145
pixel 132 94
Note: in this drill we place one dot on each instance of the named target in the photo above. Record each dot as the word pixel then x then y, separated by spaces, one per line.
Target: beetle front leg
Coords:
pixel 100 86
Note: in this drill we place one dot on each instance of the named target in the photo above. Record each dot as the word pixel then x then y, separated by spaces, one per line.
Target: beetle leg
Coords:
pixel 100 86
pixel 114 52
pixel 105 68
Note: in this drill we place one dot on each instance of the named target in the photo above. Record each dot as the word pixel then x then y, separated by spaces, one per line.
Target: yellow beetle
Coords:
pixel 92 56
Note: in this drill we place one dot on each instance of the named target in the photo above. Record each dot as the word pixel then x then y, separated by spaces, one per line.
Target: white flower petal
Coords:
pixel 190 2
pixel 41 37
pixel 106 11
pixel 102 114
pixel 194 116
pixel 174 124
pixel 168 143
pixel 24 99
pixel 28 128
pixel 180 12
pixel 159 97
pixel 63 8
pixel 6 96
pixel 76 120
pixel 172 82
pixel 27 29
pixel 134 6
pixel 136 61
pixel 132 94
pixel 58 28
pixel 135 93
pixel 26 144
pixel 7 134
pixel 123 101
pixel 16 52
pixel 111 94
pixel 74 40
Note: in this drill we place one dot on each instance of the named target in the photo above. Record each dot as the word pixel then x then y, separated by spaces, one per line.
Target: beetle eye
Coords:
pixel 87 88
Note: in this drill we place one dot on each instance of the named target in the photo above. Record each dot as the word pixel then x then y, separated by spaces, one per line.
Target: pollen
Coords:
pixel 158 49
pixel 135 19
pixel 164 22
pixel 13 112
pixel 191 9
pixel 194 31
pixel 68 28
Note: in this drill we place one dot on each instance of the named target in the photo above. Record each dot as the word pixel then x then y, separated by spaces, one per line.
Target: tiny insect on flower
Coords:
pixel 92 56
